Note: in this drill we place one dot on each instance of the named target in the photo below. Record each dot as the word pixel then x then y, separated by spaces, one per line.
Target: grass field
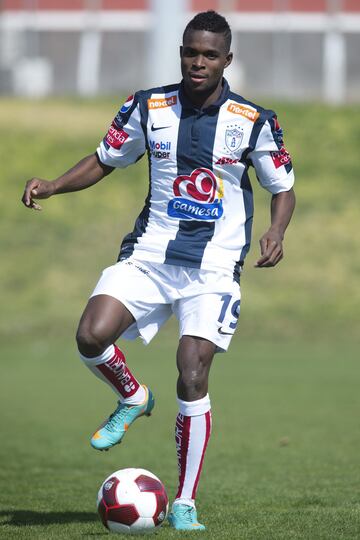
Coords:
pixel 283 461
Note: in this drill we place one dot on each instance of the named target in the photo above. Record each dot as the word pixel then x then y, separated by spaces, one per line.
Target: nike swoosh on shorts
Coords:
pixel 225 333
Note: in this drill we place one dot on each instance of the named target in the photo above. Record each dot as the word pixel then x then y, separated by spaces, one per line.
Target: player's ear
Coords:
pixel 229 58
pixel 181 50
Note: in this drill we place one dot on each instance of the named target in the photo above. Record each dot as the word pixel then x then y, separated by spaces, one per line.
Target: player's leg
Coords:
pixel 126 302
pixel 194 358
pixel 193 426
pixel 103 321
pixel 207 323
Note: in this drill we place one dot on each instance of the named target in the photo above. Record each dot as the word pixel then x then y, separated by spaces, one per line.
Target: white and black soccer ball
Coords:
pixel 132 501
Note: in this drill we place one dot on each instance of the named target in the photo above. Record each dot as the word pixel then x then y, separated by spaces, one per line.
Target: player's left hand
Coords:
pixel 271 249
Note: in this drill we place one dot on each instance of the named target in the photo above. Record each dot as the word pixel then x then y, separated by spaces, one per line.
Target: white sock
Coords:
pixel 192 433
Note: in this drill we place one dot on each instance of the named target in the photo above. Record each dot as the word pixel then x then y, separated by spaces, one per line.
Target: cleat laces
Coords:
pixel 187 515
pixel 117 416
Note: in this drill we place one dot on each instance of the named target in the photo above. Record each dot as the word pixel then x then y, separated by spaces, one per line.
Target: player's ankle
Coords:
pixel 137 398
pixel 186 502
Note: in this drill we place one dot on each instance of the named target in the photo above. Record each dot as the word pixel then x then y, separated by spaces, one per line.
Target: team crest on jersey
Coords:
pixel 233 138
pixel 197 196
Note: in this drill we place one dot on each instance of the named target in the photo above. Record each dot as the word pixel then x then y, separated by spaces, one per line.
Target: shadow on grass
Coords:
pixel 21 518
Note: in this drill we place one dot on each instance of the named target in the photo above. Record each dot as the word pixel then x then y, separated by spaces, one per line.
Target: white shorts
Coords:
pixel 206 303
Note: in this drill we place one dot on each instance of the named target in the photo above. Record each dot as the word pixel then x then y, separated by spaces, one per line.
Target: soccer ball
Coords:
pixel 132 501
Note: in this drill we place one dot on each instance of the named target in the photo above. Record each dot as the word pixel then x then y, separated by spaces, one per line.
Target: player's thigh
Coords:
pixel 211 316
pixel 127 301
pixel 104 319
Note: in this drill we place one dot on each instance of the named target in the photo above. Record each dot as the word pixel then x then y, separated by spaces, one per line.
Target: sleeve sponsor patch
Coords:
pixel 116 137
pixel 281 157
pixel 126 107
pixel 278 133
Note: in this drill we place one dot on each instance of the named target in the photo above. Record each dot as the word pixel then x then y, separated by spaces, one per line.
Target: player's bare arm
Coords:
pixel 271 243
pixel 84 174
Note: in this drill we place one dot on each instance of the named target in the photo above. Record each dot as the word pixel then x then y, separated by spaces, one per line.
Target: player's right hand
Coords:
pixel 37 189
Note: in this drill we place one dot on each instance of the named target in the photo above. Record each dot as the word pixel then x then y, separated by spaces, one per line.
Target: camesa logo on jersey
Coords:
pixel 160 150
pixel 116 137
pixel 197 197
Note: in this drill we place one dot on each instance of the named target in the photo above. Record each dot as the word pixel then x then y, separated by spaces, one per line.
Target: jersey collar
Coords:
pixel 186 103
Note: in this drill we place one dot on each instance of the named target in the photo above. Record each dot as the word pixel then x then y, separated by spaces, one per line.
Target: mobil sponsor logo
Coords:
pixel 198 196
pixel 160 149
pixel 116 136
pixel 161 103
pixel 248 112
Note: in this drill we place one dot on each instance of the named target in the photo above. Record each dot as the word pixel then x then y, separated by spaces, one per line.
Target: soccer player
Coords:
pixel 187 249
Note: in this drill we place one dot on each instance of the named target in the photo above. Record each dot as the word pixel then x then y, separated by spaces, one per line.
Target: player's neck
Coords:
pixel 204 100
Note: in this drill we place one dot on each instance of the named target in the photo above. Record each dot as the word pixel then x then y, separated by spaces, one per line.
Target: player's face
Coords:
pixel 203 60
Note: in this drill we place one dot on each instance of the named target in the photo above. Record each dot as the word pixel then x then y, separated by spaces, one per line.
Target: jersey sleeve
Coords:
pixel 124 142
pixel 271 160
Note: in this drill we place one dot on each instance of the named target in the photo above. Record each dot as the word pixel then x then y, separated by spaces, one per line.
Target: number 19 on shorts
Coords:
pixel 229 313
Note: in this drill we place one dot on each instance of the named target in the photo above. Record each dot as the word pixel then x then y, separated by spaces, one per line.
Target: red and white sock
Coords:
pixel 192 433
pixel 110 366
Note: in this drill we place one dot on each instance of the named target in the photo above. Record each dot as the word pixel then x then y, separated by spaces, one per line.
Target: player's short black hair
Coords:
pixel 210 21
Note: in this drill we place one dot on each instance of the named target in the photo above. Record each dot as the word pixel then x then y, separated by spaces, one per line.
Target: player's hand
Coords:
pixel 37 189
pixel 271 249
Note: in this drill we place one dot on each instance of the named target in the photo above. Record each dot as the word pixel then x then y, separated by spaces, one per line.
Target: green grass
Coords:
pixel 283 461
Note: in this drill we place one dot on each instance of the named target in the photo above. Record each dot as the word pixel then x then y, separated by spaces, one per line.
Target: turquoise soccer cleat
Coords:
pixel 114 428
pixel 184 518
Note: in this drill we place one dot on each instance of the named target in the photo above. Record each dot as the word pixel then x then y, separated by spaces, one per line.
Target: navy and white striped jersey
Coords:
pixel 199 208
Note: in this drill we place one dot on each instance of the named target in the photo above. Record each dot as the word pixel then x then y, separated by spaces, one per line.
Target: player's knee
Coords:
pixel 91 339
pixel 192 382
pixel 194 378
pixel 193 361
